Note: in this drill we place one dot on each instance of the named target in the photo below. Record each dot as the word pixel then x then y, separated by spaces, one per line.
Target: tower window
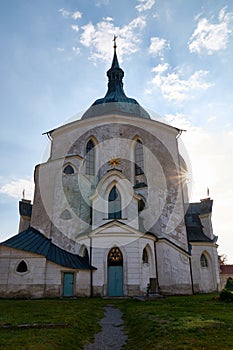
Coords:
pixel 68 170
pixel 145 259
pixel 139 159
pixel 86 255
pixel 114 204
pixel 203 261
pixel 22 267
pixel 90 158
pixel 141 205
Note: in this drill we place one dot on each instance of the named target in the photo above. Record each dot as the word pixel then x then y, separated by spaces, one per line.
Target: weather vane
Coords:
pixel 114 39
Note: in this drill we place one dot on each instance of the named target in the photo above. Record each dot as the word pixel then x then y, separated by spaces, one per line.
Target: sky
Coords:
pixel 177 57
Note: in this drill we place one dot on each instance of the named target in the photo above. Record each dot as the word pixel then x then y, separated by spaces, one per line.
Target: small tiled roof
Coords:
pixel 200 208
pixel 226 269
pixel 33 241
pixel 195 229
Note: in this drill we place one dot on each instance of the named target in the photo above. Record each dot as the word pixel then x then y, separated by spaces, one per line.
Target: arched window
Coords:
pixel 203 261
pixel 139 159
pixel 141 205
pixel 22 267
pixel 115 257
pixel 145 259
pixel 114 204
pixel 85 254
pixel 90 158
pixel 68 170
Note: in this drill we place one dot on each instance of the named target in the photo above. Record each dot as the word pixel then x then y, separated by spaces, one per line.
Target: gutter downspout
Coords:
pixel 91 270
pixel 191 274
pixel 156 265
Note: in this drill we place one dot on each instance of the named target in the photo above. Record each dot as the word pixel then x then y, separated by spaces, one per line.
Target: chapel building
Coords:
pixel 110 215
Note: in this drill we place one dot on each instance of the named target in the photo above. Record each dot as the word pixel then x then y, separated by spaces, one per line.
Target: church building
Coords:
pixel 110 215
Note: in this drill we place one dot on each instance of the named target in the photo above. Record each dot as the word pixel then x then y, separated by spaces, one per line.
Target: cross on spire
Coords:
pixel 114 39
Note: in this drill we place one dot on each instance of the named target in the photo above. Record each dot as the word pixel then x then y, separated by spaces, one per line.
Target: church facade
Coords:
pixel 110 215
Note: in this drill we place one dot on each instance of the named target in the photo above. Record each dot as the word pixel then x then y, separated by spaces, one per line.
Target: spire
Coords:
pixel 115 99
pixel 115 73
pixel 115 63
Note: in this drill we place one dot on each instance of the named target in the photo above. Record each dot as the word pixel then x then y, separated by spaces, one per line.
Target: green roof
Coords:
pixel 115 100
pixel 33 241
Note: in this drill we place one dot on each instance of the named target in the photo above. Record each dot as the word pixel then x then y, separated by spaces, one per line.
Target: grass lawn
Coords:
pixel 191 322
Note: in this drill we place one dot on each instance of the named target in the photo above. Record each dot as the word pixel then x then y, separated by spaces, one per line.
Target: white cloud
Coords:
pixel 15 188
pixel 76 15
pixel 212 37
pixel 64 12
pixel 99 38
pixel 211 118
pixel 68 14
pixel 160 68
pixel 109 19
pixel 76 50
pixel 174 87
pixel 178 120
pixel 158 45
pixel 60 49
pixel 145 5
pixel 75 27
pixel 102 2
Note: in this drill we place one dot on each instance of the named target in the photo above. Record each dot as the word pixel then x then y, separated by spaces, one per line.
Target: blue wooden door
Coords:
pixel 68 284
pixel 115 281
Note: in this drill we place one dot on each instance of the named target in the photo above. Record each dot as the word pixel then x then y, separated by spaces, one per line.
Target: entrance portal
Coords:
pixel 68 284
pixel 115 273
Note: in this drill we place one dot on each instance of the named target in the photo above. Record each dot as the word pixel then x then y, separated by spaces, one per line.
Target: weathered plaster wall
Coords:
pixel 164 210
pixel 173 269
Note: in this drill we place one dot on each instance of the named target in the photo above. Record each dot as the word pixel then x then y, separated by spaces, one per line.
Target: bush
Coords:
pixel 229 284
pixel 226 295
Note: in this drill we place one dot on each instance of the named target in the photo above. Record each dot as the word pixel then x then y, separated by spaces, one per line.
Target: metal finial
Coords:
pixel 114 39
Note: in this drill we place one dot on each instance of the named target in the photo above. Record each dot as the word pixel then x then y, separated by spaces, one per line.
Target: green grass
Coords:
pixel 81 317
pixel 187 323
pixel 194 322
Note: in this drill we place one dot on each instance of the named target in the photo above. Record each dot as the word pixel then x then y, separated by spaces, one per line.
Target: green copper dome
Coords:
pixel 115 100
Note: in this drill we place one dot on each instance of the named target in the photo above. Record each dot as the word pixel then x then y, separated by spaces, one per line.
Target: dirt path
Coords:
pixel 112 335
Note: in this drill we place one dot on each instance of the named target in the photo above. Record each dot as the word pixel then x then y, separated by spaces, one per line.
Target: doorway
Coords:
pixel 115 273
pixel 68 284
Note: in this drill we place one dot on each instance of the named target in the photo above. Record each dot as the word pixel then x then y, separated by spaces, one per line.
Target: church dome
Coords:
pixel 115 101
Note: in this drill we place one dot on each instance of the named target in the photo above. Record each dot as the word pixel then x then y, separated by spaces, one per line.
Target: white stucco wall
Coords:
pixel 43 278
pixel 173 269
pixel 205 279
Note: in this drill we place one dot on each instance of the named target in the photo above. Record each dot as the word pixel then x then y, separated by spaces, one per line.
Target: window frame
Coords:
pixel 138 158
pixel 114 210
pixel 90 158
pixel 145 256
pixel 204 261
